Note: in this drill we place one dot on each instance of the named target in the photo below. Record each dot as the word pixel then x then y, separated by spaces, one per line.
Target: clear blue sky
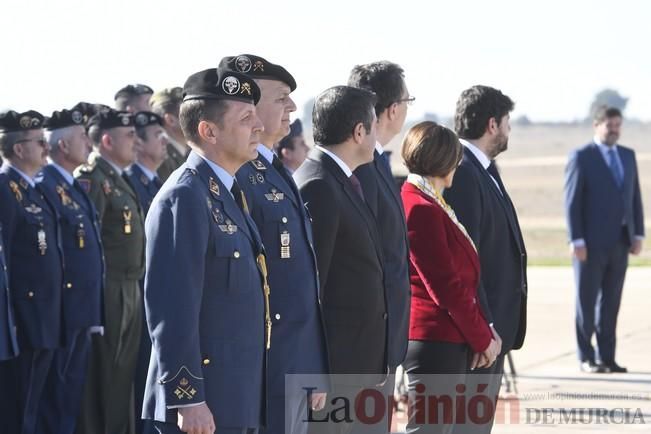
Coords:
pixel 550 56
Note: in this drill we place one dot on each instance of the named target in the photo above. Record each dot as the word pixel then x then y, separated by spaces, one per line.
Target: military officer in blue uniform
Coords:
pixel 34 260
pixel 281 216
pixel 8 342
pixel 150 153
pixel 83 271
pixel 205 286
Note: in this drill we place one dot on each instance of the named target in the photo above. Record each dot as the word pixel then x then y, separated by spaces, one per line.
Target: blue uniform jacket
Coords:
pixel 8 341
pixel 34 261
pixel 298 341
pixel 204 302
pixel 145 189
pixel 83 272
pixel 596 207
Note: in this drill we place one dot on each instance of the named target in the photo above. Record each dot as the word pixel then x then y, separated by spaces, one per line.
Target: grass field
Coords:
pixel 533 169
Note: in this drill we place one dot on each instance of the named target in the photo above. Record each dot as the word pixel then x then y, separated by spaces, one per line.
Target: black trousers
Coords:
pixel 445 396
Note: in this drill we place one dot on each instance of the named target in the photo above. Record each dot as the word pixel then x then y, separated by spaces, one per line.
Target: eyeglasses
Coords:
pixel 409 100
pixel 41 142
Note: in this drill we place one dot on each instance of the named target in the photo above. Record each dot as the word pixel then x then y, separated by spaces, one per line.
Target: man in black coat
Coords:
pixel 386 80
pixel 483 206
pixel 347 245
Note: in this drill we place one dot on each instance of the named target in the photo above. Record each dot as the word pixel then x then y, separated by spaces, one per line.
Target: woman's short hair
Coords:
pixel 430 149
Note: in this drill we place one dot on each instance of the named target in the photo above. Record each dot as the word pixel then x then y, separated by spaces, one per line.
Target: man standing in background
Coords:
pixel 166 103
pixel 606 222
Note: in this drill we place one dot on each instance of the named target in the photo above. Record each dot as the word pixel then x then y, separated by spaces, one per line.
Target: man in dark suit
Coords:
pixel 31 237
pixel 206 294
pixel 83 272
pixel 386 80
pixel 347 243
pixel 606 223
pixel 298 342
pixel 482 204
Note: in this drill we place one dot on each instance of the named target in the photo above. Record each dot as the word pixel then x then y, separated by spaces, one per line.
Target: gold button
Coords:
pixel 284 219
pixel 277 316
pixel 206 361
pixel 30 294
pixel 236 254
pixel 68 285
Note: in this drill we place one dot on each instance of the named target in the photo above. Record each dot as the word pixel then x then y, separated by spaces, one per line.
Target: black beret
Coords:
pixel 296 128
pixel 221 84
pixel 65 118
pixel 144 119
pixel 11 121
pixel 257 67
pixel 133 90
pixel 111 119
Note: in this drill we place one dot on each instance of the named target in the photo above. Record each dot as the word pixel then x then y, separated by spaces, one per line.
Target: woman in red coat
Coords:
pixel 448 333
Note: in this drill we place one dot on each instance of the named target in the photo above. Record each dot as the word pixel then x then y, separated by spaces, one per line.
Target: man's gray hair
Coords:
pixel 53 137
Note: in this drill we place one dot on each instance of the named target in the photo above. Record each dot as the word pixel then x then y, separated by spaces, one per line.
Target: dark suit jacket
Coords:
pixel 595 205
pixel 492 223
pixel 349 258
pixel 444 273
pixel 385 203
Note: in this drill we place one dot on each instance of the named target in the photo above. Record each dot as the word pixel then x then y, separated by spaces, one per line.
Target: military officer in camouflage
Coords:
pixel 278 210
pixel 83 269
pixel 166 103
pixel 107 405
pixel 34 259
pixel 205 288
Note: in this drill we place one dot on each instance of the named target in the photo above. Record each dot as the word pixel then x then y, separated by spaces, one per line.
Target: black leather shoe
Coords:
pixel 590 367
pixel 613 367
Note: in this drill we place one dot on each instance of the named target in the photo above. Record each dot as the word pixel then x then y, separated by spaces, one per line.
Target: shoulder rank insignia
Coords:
pixel 275 195
pixel 85 184
pixel 259 165
pixel 213 186
pixel 14 187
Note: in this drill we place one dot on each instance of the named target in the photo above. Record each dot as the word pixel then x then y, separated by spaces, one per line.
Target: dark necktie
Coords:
pixel 357 186
pixel 236 191
pixel 492 169
pixel 278 165
pixel 615 167
pixel 157 182
pixel 385 159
